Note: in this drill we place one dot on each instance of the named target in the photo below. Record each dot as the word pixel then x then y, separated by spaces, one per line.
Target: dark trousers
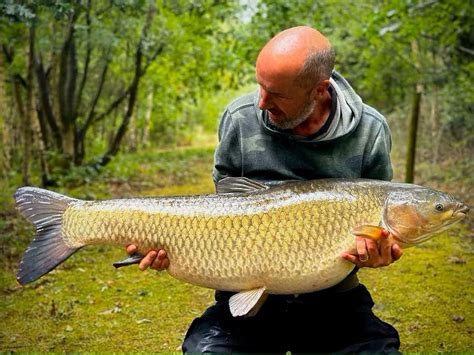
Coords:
pixel 316 322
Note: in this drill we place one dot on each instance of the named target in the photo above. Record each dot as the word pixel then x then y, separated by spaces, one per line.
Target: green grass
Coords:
pixel 428 294
pixel 87 305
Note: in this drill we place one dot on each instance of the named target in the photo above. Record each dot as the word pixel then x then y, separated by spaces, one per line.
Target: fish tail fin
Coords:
pixel 44 209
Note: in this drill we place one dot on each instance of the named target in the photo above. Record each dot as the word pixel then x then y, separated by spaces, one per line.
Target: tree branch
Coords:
pixel 157 51
pixel 113 105
pixel 91 115
pixel 81 133
pixel 9 54
pixel 114 147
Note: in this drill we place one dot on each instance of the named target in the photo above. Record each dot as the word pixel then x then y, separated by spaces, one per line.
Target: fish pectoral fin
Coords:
pixel 134 258
pixel 247 303
pixel 368 231
pixel 231 185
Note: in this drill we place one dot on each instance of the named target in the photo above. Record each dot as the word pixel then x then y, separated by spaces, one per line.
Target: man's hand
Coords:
pixel 374 254
pixel 155 259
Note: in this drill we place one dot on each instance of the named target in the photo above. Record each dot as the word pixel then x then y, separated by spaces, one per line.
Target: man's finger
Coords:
pixel 372 248
pixel 161 262
pixel 396 251
pixel 161 254
pixel 160 265
pixel 385 248
pixel 147 260
pixel 349 257
pixel 361 247
pixel 131 248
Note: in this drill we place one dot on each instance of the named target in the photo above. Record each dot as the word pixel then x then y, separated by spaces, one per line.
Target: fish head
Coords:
pixel 413 215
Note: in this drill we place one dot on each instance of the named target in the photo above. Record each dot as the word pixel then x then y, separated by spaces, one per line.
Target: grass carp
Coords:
pixel 249 238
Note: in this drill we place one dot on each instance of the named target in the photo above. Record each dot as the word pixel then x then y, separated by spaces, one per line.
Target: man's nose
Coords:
pixel 265 100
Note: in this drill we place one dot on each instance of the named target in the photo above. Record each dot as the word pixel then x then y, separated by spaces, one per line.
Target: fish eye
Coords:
pixel 439 207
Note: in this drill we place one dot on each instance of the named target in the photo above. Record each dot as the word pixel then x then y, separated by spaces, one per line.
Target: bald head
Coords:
pixel 301 53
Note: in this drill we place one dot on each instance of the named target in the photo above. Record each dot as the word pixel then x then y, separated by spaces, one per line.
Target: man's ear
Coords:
pixel 322 88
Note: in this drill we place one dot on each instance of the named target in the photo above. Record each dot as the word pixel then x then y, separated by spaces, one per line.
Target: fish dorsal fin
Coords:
pixel 231 185
pixel 247 303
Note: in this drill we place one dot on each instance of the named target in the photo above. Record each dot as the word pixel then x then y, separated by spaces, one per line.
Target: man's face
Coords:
pixel 287 103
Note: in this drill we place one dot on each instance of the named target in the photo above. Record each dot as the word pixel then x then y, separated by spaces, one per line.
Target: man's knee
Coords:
pixel 205 335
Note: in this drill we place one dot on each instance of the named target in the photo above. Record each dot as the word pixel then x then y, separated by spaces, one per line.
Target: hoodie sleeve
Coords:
pixel 377 163
pixel 228 156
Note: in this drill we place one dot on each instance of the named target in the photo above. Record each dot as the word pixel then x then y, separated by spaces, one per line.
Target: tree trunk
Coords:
pixel 146 125
pixel 39 132
pixel 414 117
pixel 67 89
pixel 4 126
pixel 24 143
pixel 46 106
pixel 436 129
pixel 133 134
pixel 412 133
pixel 438 143
pixel 29 111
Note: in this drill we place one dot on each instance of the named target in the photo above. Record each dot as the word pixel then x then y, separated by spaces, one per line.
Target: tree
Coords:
pixel 401 55
pixel 91 60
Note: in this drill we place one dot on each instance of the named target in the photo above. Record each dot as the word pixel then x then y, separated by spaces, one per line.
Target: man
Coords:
pixel 305 122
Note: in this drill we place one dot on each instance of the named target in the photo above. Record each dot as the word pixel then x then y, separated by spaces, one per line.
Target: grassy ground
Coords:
pixel 87 305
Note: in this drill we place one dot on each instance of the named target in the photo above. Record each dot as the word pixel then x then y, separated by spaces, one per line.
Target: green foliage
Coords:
pixel 15 12
pixel 182 58
pixel 209 49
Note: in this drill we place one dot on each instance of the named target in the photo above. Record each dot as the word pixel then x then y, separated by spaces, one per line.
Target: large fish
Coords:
pixel 249 237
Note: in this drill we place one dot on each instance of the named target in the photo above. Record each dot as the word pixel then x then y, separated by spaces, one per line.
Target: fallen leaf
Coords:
pixel 115 309
pixel 456 260
pixel 458 318
pixel 144 320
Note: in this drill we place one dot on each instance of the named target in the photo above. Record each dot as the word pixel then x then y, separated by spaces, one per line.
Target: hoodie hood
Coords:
pixel 347 113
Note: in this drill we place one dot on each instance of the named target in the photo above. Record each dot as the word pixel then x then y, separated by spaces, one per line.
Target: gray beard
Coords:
pixel 291 123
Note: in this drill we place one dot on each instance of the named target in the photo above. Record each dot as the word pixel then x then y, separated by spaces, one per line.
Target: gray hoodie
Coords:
pixel 355 142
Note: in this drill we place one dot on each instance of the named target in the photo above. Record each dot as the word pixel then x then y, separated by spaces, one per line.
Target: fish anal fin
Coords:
pixel 368 231
pixel 257 306
pixel 247 303
pixel 230 185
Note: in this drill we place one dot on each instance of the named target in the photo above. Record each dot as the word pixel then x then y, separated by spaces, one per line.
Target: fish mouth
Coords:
pixel 461 211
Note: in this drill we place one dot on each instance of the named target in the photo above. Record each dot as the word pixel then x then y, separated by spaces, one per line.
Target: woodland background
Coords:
pixel 118 98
